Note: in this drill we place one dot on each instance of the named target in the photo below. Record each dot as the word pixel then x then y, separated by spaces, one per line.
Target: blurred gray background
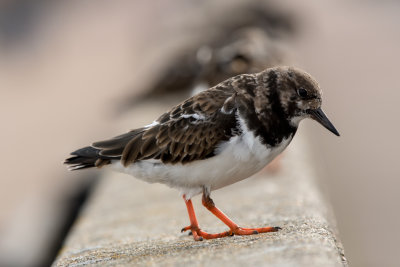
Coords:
pixel 66 65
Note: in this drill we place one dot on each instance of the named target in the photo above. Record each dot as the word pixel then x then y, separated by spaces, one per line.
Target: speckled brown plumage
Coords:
pixel 194 129
pixel 189 131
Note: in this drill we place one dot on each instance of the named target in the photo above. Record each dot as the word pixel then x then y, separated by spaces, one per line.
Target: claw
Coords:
pixel 184 229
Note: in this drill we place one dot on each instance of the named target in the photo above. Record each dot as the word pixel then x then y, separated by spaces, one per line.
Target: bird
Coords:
pixel 245 38
pixel 245 50
pixel 216 138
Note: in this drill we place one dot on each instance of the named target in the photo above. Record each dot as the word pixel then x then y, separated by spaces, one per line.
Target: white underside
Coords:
pixel 235 160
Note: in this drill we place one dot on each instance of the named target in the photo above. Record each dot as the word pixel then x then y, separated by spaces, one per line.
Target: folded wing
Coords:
pixel 190 131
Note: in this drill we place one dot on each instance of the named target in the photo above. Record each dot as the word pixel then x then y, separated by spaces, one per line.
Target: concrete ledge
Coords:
pixel 129 222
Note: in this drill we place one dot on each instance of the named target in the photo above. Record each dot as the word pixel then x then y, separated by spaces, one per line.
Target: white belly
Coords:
pixel 235 160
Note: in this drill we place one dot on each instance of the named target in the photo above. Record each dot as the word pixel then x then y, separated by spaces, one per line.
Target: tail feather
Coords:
pixel 100 153
pixel 86 157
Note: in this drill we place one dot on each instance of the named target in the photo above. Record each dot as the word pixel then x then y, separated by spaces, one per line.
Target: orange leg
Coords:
pixel 198 234
pixel 235 229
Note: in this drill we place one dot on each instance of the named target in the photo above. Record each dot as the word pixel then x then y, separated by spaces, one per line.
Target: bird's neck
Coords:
pixel 268 118
pixel 272 131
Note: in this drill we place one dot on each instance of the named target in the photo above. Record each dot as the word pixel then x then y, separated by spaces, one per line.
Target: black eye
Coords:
pixel 302 92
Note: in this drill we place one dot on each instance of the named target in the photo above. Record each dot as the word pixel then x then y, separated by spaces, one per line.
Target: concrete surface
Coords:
pixel 128 222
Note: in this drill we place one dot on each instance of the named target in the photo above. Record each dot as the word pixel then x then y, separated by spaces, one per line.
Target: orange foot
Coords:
pixel 199 234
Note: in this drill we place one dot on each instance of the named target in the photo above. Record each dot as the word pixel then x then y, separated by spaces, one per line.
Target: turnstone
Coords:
pixel 245 38
pixel 215 138
pixel 247 50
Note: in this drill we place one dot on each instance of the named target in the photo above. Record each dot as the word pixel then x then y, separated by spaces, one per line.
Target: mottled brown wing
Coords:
pixel 190 131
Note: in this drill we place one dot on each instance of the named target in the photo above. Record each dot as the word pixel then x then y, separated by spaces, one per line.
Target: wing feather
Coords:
pixel 190 131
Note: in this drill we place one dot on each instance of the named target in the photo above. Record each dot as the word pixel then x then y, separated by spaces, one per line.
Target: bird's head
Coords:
pixel 298 93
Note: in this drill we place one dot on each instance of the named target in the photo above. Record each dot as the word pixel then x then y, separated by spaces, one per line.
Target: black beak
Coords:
pixel 319 115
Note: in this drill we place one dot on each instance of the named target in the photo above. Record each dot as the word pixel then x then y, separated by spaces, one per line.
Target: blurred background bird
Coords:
pixel 247 39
